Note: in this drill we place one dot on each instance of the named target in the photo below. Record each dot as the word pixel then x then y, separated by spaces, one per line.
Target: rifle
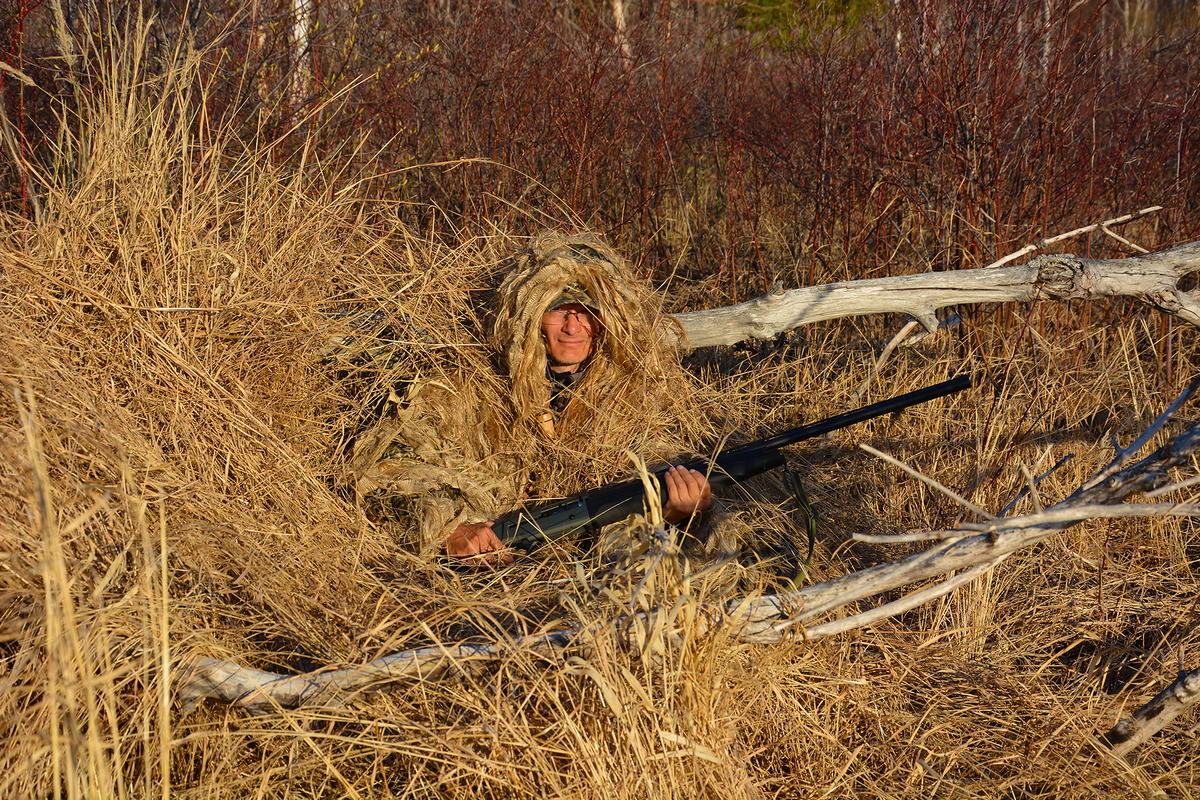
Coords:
pixel 536 524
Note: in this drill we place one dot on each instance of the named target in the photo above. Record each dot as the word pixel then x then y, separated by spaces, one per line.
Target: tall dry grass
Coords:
pixel 171 486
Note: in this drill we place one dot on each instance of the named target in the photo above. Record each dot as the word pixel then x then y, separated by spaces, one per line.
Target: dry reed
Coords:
pixel 170 485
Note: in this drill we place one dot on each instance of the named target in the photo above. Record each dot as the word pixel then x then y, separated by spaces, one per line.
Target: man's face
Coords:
pixel 570 333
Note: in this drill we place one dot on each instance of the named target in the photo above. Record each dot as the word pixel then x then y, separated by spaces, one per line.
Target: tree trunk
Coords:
pixel 300 87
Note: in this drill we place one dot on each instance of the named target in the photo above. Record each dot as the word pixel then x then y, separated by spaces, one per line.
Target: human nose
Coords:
pixel 573 322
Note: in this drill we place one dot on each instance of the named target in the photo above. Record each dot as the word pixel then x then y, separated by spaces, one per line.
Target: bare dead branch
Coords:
pixel 1072 514
pixel 1153 278
pixel 1103 226
pixel 1155 715
pixel 1125 453
pixel 905 603
pixel 1174 487
pixel 902 337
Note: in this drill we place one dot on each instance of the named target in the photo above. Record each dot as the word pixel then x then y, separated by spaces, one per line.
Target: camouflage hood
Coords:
pixel 631 334
pixel 633 393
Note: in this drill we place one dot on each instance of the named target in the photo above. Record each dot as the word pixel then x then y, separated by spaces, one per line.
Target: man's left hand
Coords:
pixel 688 494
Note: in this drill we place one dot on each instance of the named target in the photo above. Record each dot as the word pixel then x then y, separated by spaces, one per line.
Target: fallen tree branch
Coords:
pixel 902 336
pixel 1123 454
pixel 761 619
pixel 1153 278
pixel 1065 514
pixel 1155 715
pixel 260 691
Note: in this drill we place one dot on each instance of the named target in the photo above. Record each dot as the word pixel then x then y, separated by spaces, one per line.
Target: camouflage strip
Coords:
pixel 574 294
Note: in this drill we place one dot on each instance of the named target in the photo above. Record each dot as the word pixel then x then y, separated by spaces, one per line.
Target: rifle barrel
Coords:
pixel 897 403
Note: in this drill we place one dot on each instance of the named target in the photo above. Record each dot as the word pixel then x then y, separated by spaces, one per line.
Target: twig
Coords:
pixel 1147 474
pixel 962 501
pixel 1047 517
pixel 1030 248
pixel 1123 240
pixel 1078 513
pixel 1124 454
pixel 897 606
pixel 895 341
pixel 1031 486
pixel 1174 487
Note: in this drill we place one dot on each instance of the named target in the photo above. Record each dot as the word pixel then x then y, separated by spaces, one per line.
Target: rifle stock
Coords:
pixel 535 524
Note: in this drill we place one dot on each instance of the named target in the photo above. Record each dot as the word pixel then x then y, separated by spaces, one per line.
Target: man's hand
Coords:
pixel 688 493
pixel 476 543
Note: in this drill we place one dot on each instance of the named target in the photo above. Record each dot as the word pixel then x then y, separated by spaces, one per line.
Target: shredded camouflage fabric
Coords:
pixel 466 446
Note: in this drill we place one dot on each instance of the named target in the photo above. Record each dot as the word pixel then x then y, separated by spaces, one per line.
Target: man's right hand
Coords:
pixel 476 543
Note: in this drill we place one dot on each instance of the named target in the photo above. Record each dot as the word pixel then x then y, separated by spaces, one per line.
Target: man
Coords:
pixel 587 373
pixel 571 331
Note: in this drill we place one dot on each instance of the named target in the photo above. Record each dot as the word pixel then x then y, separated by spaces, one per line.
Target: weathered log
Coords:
pixel 1155 715
pixel 1153 278
pixel 975 549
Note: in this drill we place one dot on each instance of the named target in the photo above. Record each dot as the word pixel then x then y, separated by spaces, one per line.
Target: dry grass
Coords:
pixel 170 486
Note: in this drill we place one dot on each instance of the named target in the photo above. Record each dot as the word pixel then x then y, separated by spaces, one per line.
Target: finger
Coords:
pixel 490 550
pixel 683 474
pixel 684 495
pixel 672 481
pixel 695 483
pixel 489 540
pixel 690 489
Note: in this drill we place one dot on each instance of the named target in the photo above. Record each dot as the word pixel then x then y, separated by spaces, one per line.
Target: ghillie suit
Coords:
pixel 467 446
